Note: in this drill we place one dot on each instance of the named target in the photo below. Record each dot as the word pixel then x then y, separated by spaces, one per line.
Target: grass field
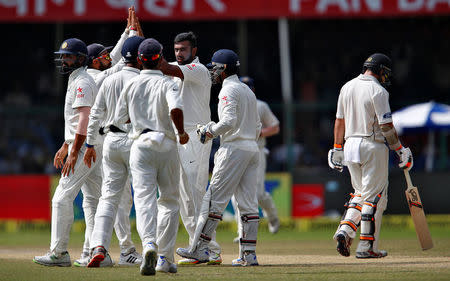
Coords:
pixel 288 255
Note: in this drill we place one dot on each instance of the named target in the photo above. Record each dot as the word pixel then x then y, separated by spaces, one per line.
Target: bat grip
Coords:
pixel 408 178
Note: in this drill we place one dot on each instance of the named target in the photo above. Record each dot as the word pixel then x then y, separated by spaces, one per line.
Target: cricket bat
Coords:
pixel 417 214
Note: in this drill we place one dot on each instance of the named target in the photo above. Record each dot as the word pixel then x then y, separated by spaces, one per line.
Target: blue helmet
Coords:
pixel 73 46
pixel 225 57
pixel 130 48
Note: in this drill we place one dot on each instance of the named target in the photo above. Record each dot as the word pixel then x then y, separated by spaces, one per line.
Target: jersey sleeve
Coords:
pixel 340 107
pixel 268 119
pixel 173 96
pixel 97 115
pixel 85 94
pixel 382 108
pixel 196 73
pixel 228 101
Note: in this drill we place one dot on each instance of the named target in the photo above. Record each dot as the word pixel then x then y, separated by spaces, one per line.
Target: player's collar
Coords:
pixel 132 69
pixel 368 78
pixel 230 79
pixel 151 71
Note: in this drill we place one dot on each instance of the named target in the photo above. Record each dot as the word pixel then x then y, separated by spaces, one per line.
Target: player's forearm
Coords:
pixel 390 135
pixel 171 70
pixel 177 117
pixel 339 131
pixel 223 126
pixel 270 131
pixel 77 143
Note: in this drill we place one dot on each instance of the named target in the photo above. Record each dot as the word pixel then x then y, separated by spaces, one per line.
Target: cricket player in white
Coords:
pixel 101 64
pixel 364 120
pixel 149 101
pixel 80 96
pixel 193 79
pixel 116 154
pixel 235 162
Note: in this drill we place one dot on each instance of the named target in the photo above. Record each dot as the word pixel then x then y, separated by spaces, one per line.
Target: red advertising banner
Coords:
pixel 307 200
pixel 25 197
pixel 175 10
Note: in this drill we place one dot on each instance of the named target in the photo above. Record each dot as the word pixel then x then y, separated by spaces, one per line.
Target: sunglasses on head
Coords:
pixel 105 56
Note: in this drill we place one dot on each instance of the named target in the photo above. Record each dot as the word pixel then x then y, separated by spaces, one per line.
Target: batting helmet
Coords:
pixel 222 60
pixel 72 46
pixel 130 48
pixel 381 65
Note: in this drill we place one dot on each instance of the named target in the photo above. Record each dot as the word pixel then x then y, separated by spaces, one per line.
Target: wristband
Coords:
pixel 337 145
pixel 89 145
pixel 398 148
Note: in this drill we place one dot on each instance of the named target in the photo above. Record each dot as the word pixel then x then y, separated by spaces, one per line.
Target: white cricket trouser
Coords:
pixel 194 172
pixel 65 193
pixel 116 194
pixel 234 173
pixel 265 200
pixel 156 166
pixel 370 178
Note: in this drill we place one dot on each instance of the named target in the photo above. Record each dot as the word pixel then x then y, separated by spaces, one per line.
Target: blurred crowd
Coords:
pixel 324 53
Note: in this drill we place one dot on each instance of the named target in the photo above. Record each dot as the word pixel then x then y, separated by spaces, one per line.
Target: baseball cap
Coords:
pixel 72 46
pixel 226 57
pixel 150 48
pixel 130 48
pixel 248 80
pixel 95 50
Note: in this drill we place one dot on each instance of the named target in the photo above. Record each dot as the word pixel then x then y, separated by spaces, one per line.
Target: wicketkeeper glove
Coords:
pixel 335 158
pixel 405 157
pixel 204 132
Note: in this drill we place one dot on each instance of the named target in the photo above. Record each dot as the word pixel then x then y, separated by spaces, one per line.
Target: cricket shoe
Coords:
pixel 237 240
pixel 343 244
pixel 201 255
pixel 82 261
pixel 51 259
pixel 249 259
pixel 214 259
pixel 149 259
pixel 371 254
pixel 274 225
pixel 131 258
pixel 184 262
pixel 98 255
pixel 164 265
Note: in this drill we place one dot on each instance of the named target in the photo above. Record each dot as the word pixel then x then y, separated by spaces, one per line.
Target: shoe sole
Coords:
pixel 148 268
pixel 359 256
pixel 53 264
pixel 214 262
pixel 342 246
pixel 188 263
pixel 96 260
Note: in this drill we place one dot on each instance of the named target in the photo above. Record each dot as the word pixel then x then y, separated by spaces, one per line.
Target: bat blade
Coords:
pixel 419 219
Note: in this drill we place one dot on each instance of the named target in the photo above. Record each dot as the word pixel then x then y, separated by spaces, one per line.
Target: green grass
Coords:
pixel 288 255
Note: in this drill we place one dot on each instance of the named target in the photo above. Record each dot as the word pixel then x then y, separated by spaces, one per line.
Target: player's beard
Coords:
pixel 186 60
pixel 104 66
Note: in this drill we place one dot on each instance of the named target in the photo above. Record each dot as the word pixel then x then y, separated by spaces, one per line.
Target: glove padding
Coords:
pixel 405 158
pixel 204 132
pixel 335 159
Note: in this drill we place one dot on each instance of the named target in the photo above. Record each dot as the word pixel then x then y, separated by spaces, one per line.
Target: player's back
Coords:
pixel 356 106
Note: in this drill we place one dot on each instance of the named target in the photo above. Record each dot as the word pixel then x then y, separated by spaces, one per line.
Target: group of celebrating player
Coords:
pixel 131 117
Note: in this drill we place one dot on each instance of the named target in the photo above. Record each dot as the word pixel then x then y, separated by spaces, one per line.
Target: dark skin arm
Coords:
pixel 73 156
pixel 170 69
pixel 339 131
pixel 176 115
pixel 58 161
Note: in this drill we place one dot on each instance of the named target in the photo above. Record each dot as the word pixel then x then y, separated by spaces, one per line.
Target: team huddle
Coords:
pixel 133 120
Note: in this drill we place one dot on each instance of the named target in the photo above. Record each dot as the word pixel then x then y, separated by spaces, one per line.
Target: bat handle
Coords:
pixel 408 178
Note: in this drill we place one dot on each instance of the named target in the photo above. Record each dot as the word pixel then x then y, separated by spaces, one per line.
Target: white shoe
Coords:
pixel 149 262
pixel 274 225
pixel 249 259
pixel 214 259
pixel 98 255
pixel 131 258
pixel 164 265
pixel 237 240
pixel 188 262
pixel 202 255
pixel 107 262
pixel 83 260
pixel 51 259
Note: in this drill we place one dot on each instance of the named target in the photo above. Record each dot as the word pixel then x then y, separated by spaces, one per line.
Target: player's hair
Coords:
pixel 186 36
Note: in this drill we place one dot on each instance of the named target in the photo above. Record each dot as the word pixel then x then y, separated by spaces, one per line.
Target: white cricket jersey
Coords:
pixel 81 91
pixel 364 105
pixel 268 119
pixel 195 92
pixel 105 104
pixel 147 101
pixel 238 113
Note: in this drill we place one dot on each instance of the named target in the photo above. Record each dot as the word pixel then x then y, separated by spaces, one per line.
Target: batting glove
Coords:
pixel 204 132
pixel 405 158
pixel 335 158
